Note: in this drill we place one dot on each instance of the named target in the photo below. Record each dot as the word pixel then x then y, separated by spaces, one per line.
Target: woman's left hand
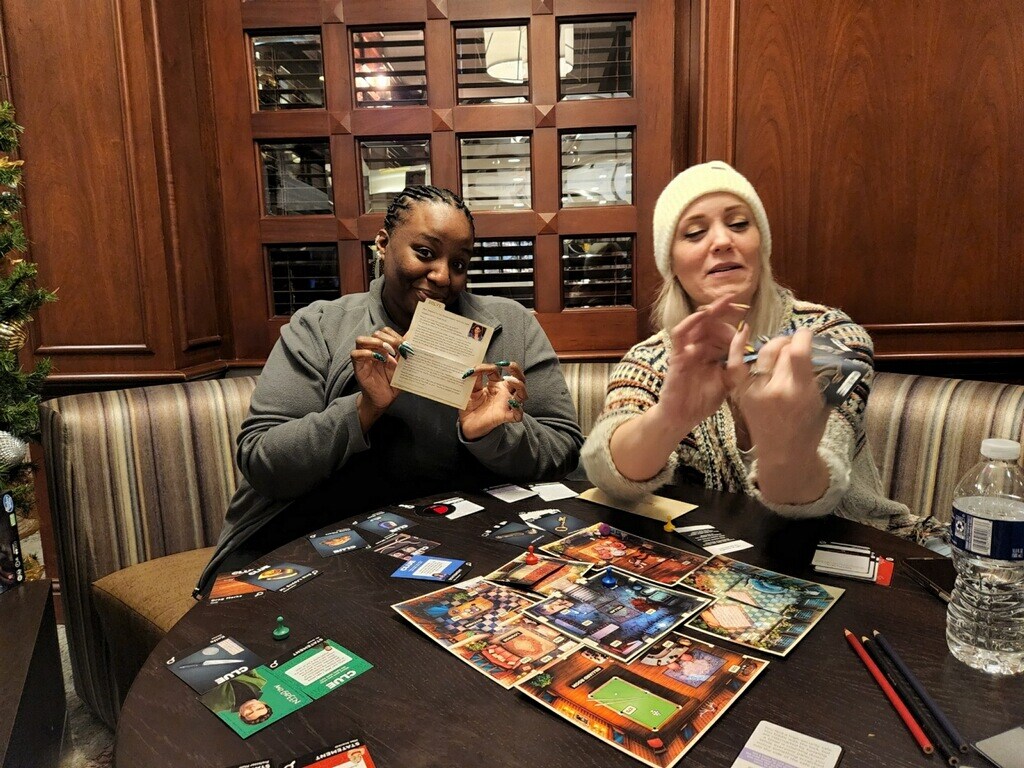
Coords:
pixel 496 399
pixel 785 413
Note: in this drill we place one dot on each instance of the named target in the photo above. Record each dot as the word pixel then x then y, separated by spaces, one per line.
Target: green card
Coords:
pixel 251 701
pixel 319 667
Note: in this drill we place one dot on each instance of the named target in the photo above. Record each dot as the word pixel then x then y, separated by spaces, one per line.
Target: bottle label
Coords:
pixel 998 539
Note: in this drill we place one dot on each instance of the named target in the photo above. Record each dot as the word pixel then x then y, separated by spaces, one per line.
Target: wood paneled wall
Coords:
pixel 122 206
pixel 885 140
pixel 883 136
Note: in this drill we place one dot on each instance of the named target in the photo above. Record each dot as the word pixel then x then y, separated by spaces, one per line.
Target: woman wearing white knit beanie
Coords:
pixel 685 396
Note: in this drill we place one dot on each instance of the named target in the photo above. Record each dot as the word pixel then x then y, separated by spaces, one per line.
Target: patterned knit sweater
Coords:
pixel 855 489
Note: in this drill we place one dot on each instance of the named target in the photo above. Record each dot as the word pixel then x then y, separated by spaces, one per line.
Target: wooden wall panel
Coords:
pixel 122 205
pixel 90 211
pixel 190 192
pixel 884 139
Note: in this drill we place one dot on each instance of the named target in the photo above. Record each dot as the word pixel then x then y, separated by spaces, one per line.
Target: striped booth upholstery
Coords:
pixel 139 481
pixel 925 432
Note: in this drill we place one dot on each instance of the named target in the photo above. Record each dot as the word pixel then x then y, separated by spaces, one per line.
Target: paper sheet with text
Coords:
pixel 445 346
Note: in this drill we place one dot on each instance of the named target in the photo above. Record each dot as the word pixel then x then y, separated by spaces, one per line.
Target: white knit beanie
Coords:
pixel 697 181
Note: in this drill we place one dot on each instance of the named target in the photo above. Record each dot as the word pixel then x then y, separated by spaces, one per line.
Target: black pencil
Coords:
pixel 920 690
pixel 941 741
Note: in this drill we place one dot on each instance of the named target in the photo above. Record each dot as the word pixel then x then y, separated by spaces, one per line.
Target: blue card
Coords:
pixel 431 568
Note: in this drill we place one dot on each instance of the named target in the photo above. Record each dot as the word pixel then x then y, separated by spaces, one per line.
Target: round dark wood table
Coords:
pixel 421 707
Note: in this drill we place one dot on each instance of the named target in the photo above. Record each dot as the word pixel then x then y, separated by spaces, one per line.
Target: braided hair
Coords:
pixel 412 195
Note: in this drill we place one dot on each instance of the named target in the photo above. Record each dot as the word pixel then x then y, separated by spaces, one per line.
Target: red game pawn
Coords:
pixel 531 559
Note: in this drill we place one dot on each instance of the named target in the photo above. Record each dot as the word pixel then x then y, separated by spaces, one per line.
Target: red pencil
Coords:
pixel 897 703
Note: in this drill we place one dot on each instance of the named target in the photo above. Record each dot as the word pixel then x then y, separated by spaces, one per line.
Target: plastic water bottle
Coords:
pixel 985 620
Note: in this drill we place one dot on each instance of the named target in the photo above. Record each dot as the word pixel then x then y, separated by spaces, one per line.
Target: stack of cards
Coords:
pixel 853 562
pixel 710 538
pixel 836 367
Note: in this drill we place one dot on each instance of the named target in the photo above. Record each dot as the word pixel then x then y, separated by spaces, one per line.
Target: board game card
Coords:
pixel 462 507
pixel 545 577
pixel 279 577
pixel 251 701
pixel 758 608
pixel 229 586
pixel 214 663
pixel 515 650
pixel 430 568
pixel 837 367
pixel 710 538
pixel 604 545
pixel 349 754
pixel 771 744
pixel 336 542
pixel 319 667
pixel 516 534
pixel 616 613
pixel 403 546
pixel 654 708
pixel 254 764
pixel 553 521
pixel 509 493
pixel 383 523
pixel 451 614
pixel 553 491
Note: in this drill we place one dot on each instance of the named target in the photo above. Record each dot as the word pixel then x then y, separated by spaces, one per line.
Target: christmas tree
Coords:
pixel 19 298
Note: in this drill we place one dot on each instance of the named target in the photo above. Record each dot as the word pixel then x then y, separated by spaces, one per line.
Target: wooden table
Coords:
pixel 421 707
pixel 32 704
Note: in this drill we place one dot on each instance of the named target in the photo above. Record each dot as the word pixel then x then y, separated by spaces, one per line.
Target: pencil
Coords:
pixel 908 720
pixel 919 689
pixel 931 729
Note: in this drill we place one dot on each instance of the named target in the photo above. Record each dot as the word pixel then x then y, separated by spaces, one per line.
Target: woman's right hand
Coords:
pixel 695 384
pixel 694 387
pixel 374 361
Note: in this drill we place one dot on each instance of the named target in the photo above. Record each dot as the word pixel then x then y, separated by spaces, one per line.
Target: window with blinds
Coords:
pixel 535 119
pixel 389 67
pixel 496 173
pixel 302 274
pixel 503 268
pixel 389 166
pixel 597 271
pixel 289 71
pixel 296 178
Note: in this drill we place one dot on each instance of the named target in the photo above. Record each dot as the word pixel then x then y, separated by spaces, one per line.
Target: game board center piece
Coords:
pixel 531 558
pixel 609 578
pixel 281 632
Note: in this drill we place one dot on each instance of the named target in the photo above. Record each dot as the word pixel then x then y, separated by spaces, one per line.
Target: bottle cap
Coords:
pixel 1007 450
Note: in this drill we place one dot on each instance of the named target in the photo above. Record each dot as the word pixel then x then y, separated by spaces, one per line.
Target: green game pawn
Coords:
pixel 281 632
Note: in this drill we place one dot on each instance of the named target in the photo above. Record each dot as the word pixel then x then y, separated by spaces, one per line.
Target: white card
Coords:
pixel 509 493
pixel 772 745
pixel 842 562
pixel 462 507
pixel 553 491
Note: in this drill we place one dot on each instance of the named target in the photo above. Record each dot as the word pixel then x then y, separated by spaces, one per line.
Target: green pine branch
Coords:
pixel 9 129
pixel 19 297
